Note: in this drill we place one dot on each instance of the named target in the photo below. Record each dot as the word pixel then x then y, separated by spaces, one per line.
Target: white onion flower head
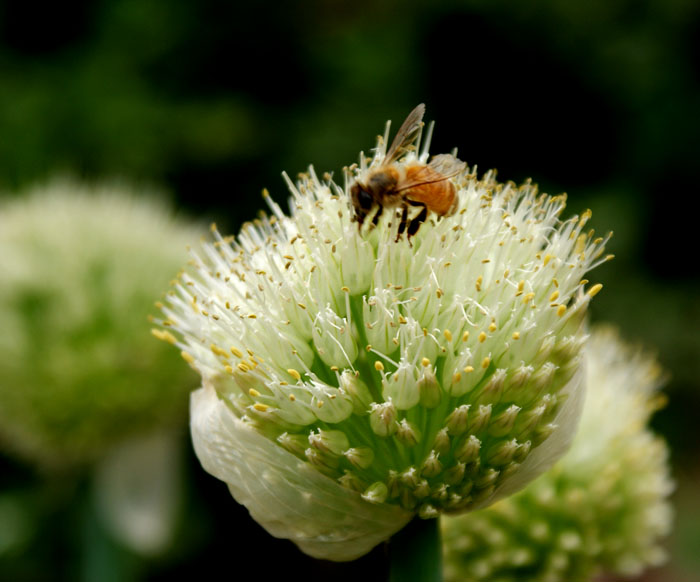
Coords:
pixel 80 371
pixel 602 508
pixel 351 382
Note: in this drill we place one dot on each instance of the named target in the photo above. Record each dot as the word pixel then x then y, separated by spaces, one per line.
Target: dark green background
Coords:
pixel 212 99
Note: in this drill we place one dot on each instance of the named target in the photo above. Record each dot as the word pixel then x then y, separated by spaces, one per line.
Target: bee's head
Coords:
pixel 362 202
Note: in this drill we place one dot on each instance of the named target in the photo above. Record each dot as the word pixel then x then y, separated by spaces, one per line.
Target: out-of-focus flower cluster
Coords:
pixel 603 507
pixel 80 268
pixel 351 382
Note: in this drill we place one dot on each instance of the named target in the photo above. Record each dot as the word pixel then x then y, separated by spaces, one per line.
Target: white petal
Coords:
pixel 289 498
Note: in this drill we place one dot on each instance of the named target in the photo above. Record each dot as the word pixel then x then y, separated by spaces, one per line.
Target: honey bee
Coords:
pixel 394 184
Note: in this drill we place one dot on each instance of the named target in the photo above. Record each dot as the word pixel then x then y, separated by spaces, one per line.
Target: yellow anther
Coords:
pixel 253 392
pixel 521 286
pixel 345 289
pixel 593 291
pixel 528 297
pixel 243 367
pixel 485 362
pixel 292 398
pixel 554 296
pixel 493 327
pixel 236 352
pixel 378 366
pixel 516 335
pixel 217 351
pixel 252 316
pixel 555 282
pixel 228 369
pixel 448 335
pixel 561 310
pixel 468 369
pixel 465 336
pixel 294 374
pixel 187 357
pixel 319 404
pixel 482 337
pixel 166 336
pixel 260 407
pixel 425 362
pixel 456 378
pixel 546 260
pixel 334 368
pixel 301 305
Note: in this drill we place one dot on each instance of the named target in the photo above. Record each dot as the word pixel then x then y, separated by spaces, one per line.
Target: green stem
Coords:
pixel 416 552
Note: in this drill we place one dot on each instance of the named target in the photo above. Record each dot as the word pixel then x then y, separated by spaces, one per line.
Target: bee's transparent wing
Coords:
pixel 447 165
pixel 407 134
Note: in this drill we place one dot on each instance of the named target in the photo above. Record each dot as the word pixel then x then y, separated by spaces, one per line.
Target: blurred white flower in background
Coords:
pixel 80 374
pixel 603 507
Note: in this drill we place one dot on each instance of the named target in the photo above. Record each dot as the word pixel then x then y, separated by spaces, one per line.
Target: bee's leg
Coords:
pixel 377 216
pixel 402 223
pixel 414 225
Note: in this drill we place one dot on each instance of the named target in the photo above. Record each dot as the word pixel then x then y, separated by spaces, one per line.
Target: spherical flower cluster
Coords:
pixel 351 381
pixel 604 506
pixel 80 371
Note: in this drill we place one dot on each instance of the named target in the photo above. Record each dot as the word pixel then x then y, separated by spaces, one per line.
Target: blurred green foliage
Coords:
pixel 213 99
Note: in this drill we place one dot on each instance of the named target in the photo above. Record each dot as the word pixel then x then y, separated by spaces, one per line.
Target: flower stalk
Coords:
pixel 416 552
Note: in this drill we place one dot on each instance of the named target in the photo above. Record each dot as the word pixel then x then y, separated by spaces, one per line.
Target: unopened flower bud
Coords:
pixel 401 387
pixel 407 433
pixel 376 493
pixel 382 419
pixel 329 441
pixel 432 465
pixel 468 450
pixel 457 420
pixel 430 391
pixel 360 395
pixel 360 457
